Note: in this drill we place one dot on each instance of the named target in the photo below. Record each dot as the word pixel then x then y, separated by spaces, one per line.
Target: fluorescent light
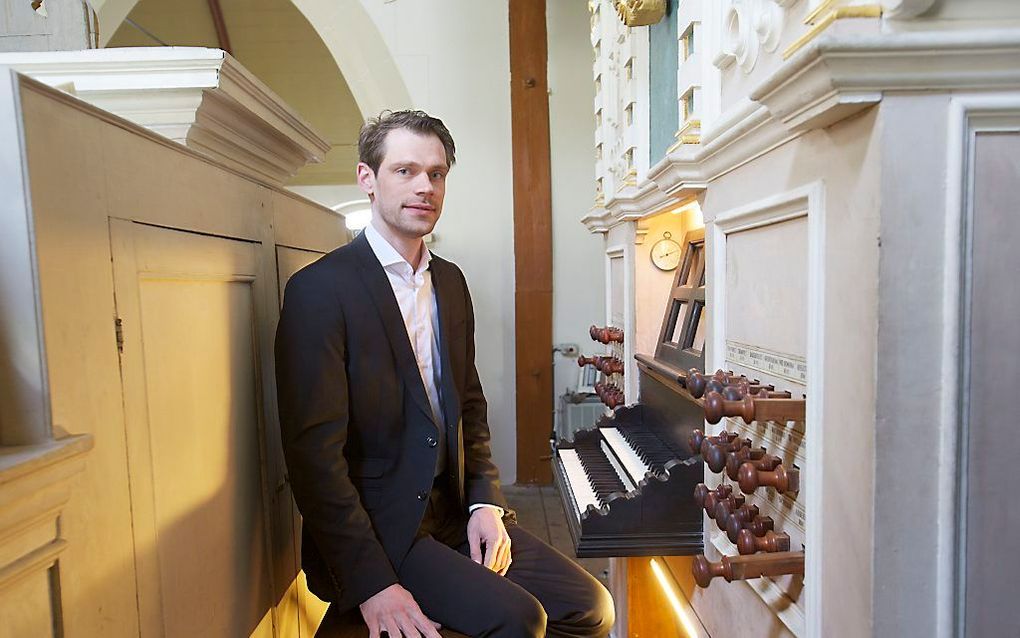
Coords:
pixel 674 600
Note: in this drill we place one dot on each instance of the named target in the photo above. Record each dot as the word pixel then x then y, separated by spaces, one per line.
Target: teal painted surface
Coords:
pixel 662 66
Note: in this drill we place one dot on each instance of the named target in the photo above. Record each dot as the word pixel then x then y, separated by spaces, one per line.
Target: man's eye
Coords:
pixel 402 171
pixel 438 175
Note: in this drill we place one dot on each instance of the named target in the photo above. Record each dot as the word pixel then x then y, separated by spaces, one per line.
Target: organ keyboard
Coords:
pixel 626 484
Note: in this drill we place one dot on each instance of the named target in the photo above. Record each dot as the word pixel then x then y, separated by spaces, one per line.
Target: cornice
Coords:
pixel 199 97
pixel 836 75
pixel 630 204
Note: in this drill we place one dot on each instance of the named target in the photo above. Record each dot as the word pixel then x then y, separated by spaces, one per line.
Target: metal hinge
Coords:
pixel 118 325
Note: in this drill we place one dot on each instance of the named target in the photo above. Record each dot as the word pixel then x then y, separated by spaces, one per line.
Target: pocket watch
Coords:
pixel 666 253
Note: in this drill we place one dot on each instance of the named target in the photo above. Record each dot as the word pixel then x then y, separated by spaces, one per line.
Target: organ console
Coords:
pixel 626 483
pixel 632 484
pixel 734 568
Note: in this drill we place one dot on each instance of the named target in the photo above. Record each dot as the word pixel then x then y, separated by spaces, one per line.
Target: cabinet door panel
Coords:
pixel 189 306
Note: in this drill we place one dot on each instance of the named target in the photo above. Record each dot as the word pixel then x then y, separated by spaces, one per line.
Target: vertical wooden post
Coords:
pixel 529 108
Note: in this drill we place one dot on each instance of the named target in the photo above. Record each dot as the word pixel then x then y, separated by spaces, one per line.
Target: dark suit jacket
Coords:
pixel 358 433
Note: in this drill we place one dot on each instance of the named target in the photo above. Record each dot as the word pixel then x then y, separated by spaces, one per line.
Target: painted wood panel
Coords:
pixel 992 546
pixel 194 430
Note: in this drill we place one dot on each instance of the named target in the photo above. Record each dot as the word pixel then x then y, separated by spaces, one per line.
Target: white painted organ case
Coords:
pixel 760 284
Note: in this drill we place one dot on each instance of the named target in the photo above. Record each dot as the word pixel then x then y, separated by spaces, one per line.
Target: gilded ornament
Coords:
pixel 639 13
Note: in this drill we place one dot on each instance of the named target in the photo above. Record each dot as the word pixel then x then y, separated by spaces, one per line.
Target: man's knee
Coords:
pixel 595 614
pixel 603 611
pixel 520 615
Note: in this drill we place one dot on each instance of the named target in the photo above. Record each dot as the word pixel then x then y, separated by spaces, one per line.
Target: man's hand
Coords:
pixel 394 611
pixel 485 527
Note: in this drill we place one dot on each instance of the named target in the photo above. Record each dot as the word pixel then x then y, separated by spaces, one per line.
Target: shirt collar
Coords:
pixel 388 255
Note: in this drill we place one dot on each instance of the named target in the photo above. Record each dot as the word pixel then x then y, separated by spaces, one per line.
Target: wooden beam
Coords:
pixel 221 26
pixel 529 109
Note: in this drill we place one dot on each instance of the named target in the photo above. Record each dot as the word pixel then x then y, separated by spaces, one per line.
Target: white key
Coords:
pixel 628 485
pixel 623 451
pixel 577 480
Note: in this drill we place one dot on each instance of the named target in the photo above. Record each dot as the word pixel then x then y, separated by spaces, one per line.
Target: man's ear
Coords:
pixel 366 178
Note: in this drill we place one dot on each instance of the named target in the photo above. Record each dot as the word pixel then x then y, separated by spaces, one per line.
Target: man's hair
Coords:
pixel 372 140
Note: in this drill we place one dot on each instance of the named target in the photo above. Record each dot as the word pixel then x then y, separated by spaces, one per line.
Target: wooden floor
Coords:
pixel 540 512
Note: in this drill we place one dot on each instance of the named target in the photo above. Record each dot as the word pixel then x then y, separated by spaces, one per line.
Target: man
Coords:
pixel 385 432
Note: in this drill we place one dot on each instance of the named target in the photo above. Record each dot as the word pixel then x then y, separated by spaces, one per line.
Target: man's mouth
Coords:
pixel 425 208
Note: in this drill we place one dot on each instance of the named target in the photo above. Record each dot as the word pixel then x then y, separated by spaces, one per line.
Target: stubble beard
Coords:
pixel 408 226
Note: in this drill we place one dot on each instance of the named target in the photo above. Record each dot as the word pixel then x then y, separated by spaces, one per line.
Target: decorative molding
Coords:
pixel 35 484
pixel 905 9
pixel 635 203
pixel 837 76
pixel 823 23
pixel 202 98
pixel 968 115
pixel 834 77
pixel 749 26
pixel 822 8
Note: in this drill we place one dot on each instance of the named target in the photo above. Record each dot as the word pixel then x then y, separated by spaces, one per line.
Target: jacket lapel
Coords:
pixel 441 283
pixel 381 293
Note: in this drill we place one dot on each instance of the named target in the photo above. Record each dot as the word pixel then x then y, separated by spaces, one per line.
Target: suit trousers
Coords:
pixel 543 592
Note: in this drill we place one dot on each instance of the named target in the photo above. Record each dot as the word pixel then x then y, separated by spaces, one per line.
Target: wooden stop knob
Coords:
pixel 725 508
pixel 612 365
pixel 716 407
pixel 748 543
pixel 758 526
pixel 746 567
pixel 705 570
pixel 696 383
pixel 701 492
pixel 698 438
pixel 715 454
pixel 783 480
pixel 763 462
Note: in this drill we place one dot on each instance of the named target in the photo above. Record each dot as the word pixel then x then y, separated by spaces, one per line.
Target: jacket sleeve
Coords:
pixel 312 389
pixel 481 478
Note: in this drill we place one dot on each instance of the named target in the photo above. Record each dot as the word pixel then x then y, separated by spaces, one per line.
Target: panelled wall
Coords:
pixel 161 278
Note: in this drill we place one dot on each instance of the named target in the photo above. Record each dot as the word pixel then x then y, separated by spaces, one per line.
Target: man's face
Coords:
pixel 407 192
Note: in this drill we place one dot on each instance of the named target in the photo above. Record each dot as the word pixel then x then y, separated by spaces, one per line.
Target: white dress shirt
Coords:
pixel 417 300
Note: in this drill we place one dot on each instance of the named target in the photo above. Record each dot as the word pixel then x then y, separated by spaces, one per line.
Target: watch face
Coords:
pixel 666 254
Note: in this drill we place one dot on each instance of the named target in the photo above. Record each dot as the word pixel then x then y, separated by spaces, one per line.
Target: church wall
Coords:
pixel 453 58
pixel 578 301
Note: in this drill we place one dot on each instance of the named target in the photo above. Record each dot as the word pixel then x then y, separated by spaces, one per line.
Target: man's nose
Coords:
pixel 423 184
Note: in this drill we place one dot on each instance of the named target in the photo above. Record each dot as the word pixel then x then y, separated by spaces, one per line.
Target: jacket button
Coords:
pixel 431 441
pixel 422 495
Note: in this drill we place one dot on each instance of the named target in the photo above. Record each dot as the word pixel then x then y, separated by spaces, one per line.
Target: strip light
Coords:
pixel 694 207
pixel 678 607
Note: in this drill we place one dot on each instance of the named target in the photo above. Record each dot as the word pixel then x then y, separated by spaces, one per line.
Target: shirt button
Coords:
pixel 422 495
pixel 431 441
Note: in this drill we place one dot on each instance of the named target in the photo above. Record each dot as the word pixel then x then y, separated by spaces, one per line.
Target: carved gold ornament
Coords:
pixel 639 13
